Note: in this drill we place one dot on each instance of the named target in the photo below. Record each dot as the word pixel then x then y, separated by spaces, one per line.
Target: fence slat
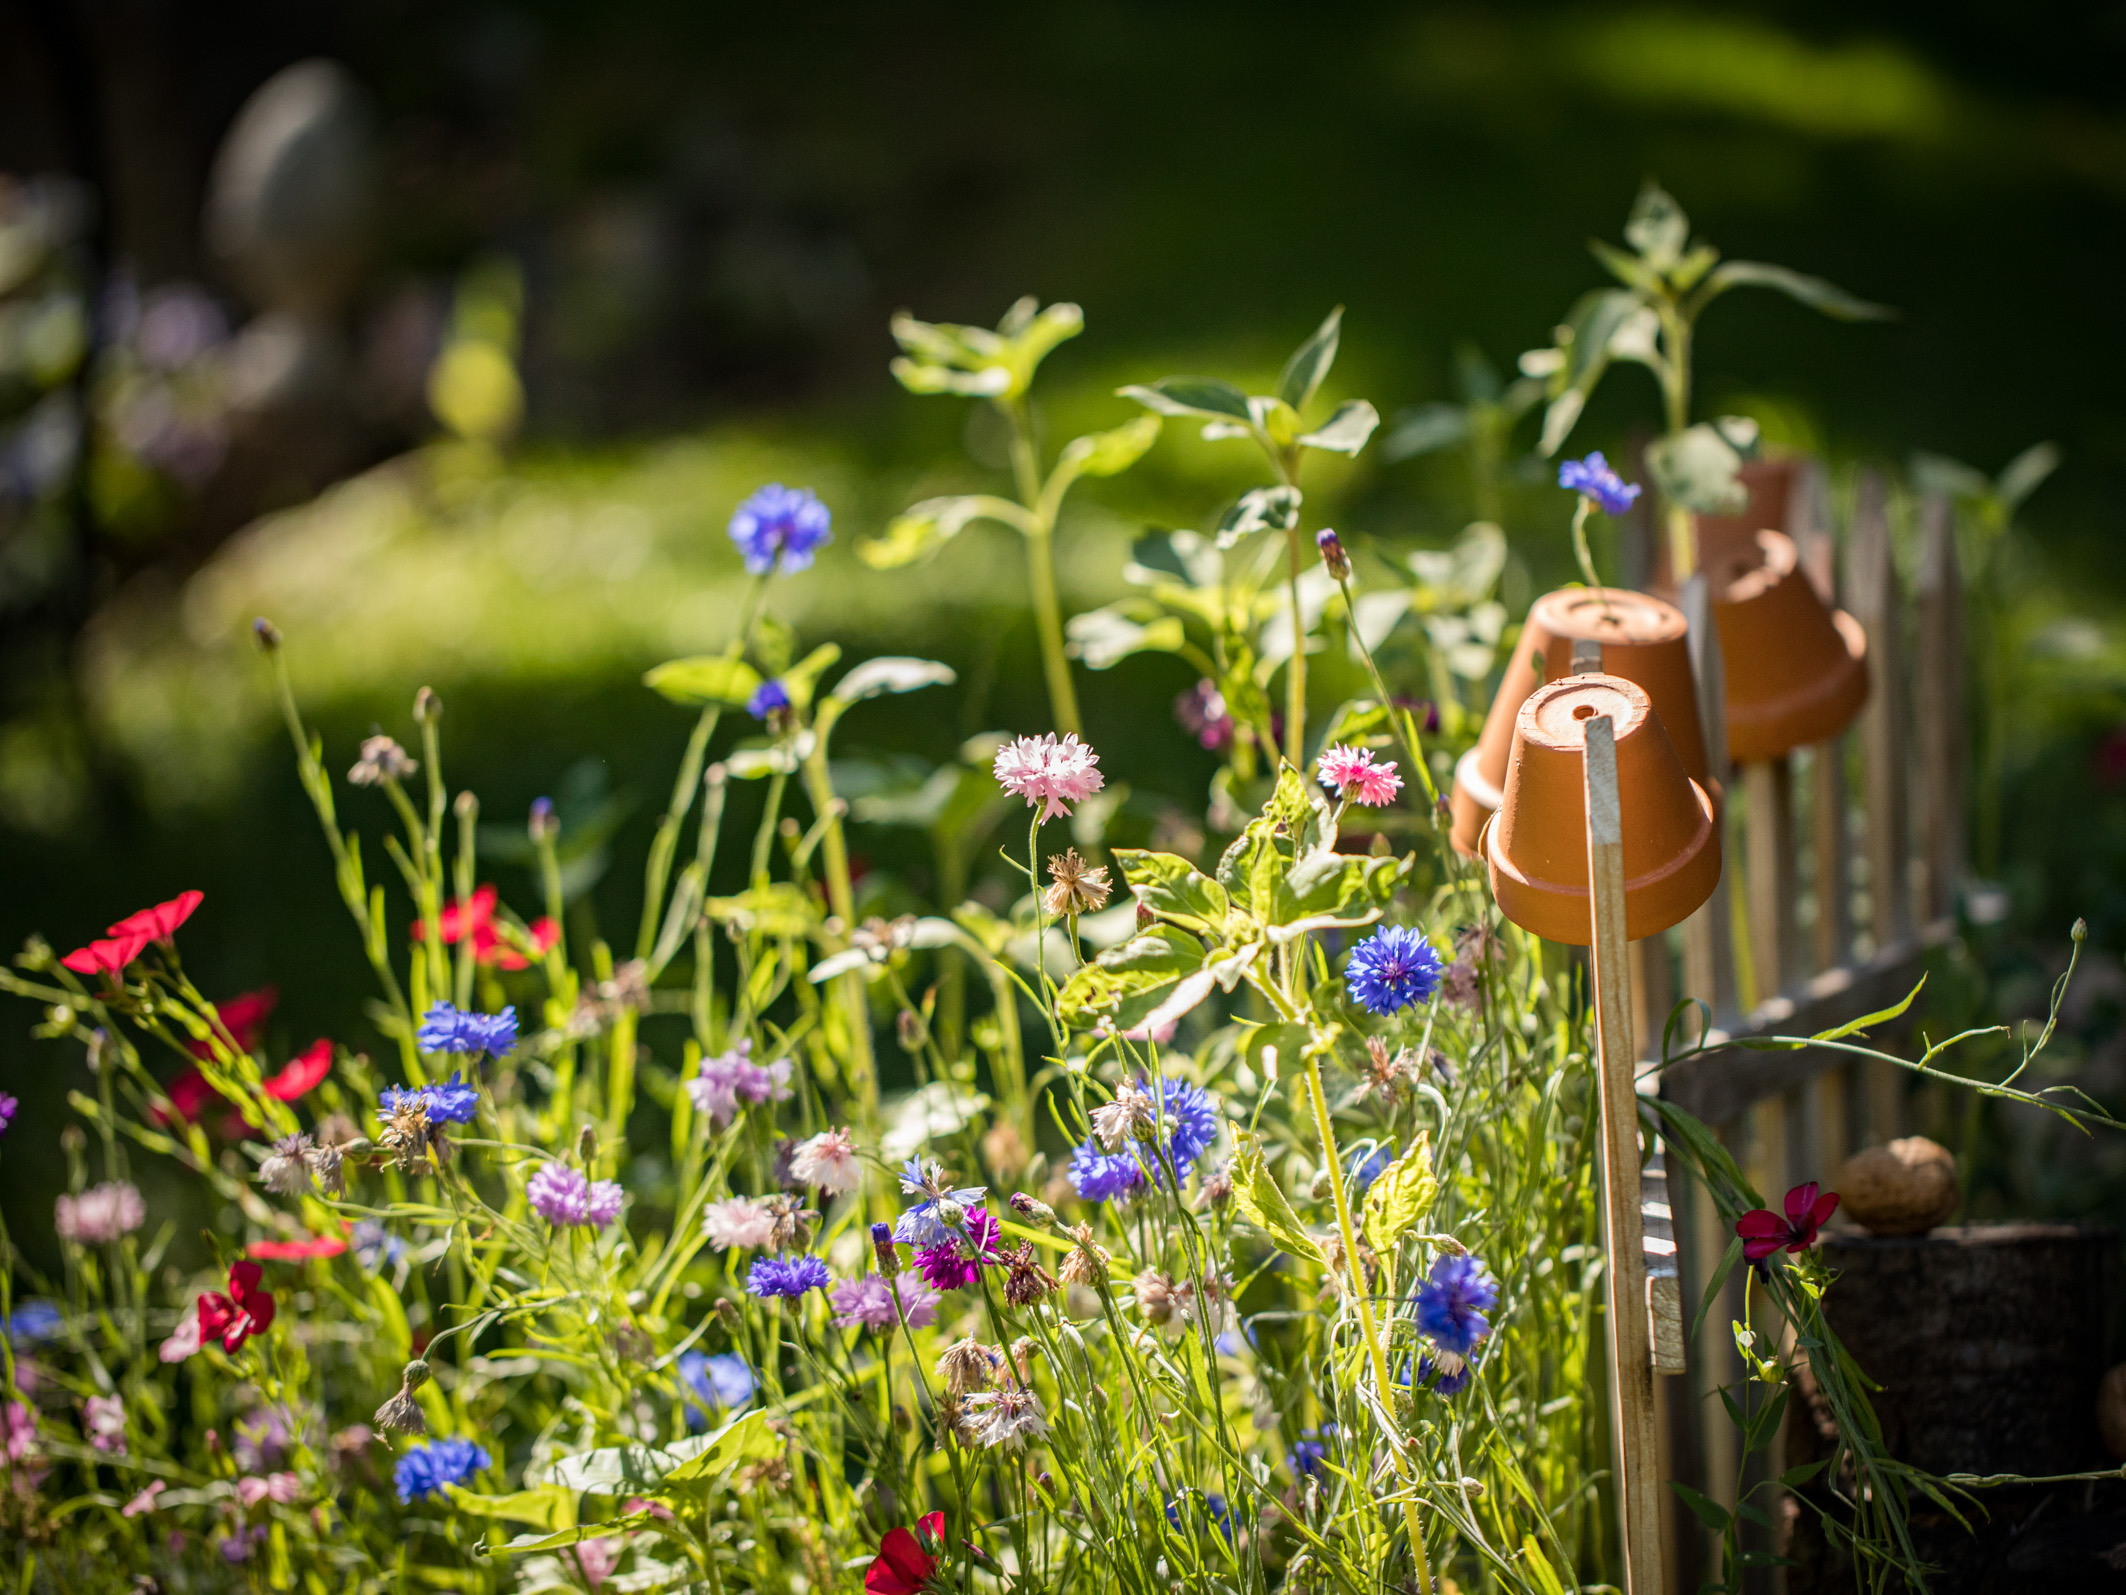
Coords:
pixel 1708 937
pixel 1768 832
pixel 1940 692
pixel 1871 587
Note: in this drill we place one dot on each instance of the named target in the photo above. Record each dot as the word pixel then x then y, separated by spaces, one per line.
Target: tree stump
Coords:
pixel 1989 1344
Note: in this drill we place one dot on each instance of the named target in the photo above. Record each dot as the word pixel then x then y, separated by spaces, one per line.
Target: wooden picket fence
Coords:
pixel 1843 865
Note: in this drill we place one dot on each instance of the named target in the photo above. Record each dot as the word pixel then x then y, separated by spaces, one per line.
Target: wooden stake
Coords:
pixel 1631 1372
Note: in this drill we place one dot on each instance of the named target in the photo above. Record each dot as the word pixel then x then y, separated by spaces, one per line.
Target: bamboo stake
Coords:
pixel 1631 1373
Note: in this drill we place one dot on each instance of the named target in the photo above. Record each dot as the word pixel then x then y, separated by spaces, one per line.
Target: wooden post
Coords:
pixel 1631 1372
pixel 1708 939
pixel 1940 680
pixel 1871 582
pixel 1769 833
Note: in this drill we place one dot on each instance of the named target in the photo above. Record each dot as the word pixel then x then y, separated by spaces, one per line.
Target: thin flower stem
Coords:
pixel 1040 528
pixel 1295 675
pixel 1398 716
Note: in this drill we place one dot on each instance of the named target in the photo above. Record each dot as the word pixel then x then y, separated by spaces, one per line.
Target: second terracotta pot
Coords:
pixel 1796 669
pixel 1643 640
pixel 1722 539
pixel 1536 845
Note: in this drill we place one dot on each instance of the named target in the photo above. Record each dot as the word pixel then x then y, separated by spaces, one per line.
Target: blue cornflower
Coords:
pixel 426 1469
pixel 1101 1176
pixel 1367 1168
pixel 1592 478
pixel 34 1322
pixel 770 697
pixel 925 1223
pixel 789 524
pixel 787 1276
pixel 720 1381
pixel 1190 1118
pixel 375 1247
pixel 1221 1515
pixel 1449 1303
pixel 446 1102
pixel 1454 1373
pixel 1392 969
pixel 448 1029
pixel 1307 1456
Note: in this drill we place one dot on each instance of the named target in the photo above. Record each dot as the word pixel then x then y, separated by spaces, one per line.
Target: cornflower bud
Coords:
pixel 910 1030
pixel 268 634
pixel 587 1144
pixel 889 1260
pixel 426 706
pixel 402 1411
pixel 542 826
pixel 1333 558
pixel 1030 1207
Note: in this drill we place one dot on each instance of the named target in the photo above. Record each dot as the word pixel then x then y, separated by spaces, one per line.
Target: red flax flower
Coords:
pixel 474 917
pixel 903 1560
pixel 294 1252
pixel 304 1072
pixel 1763 1232
pixel 244 1018
pixel 244 1312
pixel 129 938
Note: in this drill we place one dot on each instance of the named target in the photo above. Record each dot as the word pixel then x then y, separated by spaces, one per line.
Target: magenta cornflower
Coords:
pixel 1357 778
pixel 564 1196
pixel 955 1263
pixel 1043 770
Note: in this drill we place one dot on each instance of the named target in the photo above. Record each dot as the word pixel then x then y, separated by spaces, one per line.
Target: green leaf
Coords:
pixel 704 679
pixel 1714 1284
pixel 892 673
pixel 1324 881
pixel 1261 1201
pixel 1110 452
pixel 1260 509
pixel 1140 967
pixel 1794 1478
pixel 1539 1568
pixel 1425 429
pixel 801 678
pixel 1346 431
pixel 548 1507
pixel 922 529
pixel 1104 638
pixel 1657 227
pixel 1710 1512
pixel 1191 396
pixel 1173 888
pixel 1310 362
pixel 1827 297
pixel 1589 327
pixel 775 910
pixel 1880 1016
pixel 1401 1196
pixel 1699 468
pixel 2020 477
pixel 747 1438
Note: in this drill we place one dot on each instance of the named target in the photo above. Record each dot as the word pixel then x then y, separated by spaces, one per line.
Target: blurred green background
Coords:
pixel 710 212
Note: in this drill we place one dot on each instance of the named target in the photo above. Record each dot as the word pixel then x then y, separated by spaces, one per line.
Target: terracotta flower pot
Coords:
pixel 1797 670
pixel 1536 845
pixel 1643 640
pixel 1722 539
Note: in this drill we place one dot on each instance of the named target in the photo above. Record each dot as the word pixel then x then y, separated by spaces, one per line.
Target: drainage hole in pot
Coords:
pixel 1583 712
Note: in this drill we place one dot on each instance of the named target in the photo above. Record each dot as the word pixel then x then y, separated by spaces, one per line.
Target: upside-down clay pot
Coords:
pixel 1797 670
pixel 1536 845
pixel 1644 640
pixel 1723 539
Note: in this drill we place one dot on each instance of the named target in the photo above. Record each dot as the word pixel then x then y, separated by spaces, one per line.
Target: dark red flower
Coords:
pixel 904 1561
pixel 294 1251
pixel 108 956
pixel 160 922
pixel 1763 1232
pixel 244 1018
pixel 474 918
pixel 245 1311
pixel 303 1073
pixel 189 1092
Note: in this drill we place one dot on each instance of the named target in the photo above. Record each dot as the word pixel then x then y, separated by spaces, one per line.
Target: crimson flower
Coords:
pixel 245 1311
pixel 903 1560
pixel 303 1073
pixel 189 1092
pixel 160 922
pixel 294 1252
pixel 1763 1232
pixel 244 1018
pixel 473 918
pixel 107 956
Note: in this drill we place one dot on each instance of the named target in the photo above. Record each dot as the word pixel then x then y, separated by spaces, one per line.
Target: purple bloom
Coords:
pixel 1454 1373
pixel 955 1262
pixel 785 524
pixel 448 1029
pixel 787 1276
pixel 565 1196
pixel 1306 1456
pixel 1100 1176
pixel 34 1322
pixel 929 1223
pixel 427 1469
pixel 730 1078
pixel 1188 1117
pixel 1368 1168
pixel 1392 969
pixel 1203 715
pixel 869 1303
pixel 8 1105
pixel 1592 478
pixel 720 1381
pixel 1449 1304
pixel 770 697
pixel 446 1102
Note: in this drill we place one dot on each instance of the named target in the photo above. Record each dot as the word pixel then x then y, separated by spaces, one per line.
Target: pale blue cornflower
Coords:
pixel 1594 481
pixel 782 526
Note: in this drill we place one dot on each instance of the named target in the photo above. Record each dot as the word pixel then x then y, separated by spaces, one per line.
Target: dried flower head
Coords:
pixel 1025 1280
pixel 286 1171
pixel 402 1411
pixel 789 1222
pixel 1132 1115
pixel 966 1365
pixel 1080 888
pixel 382 760
pixel 327 1164
pixel 1087 1262
pixel 1004 1416
pixel 1155 1295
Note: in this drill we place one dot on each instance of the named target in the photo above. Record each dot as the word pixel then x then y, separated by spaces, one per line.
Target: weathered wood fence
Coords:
pixel 1843 862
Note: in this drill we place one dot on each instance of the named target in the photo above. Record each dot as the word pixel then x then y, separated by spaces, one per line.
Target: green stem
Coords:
pixel 1295 675
pixel 841 896
pixel 1041 569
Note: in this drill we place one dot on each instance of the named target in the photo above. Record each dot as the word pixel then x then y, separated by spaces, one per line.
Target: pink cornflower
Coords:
pixel 103 1420
pixel 1357 778
pixel 737 1221
pixel 827 1162
pixel 955 1263
pixel 565 1196
pixel 730 1078
pixel 99 1215
pixel 184 1342
pixel 1041 769
pixel 598 1558
pixel 282 1487
pixel 145 1500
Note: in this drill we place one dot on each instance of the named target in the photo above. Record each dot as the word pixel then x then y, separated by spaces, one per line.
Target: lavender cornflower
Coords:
pixel 1203 715
pixel 720 1381
pixel 452 1030
pixel 8 1105
pixel 99 1215
pixel 1391 970
pixel 870 1303
pixel 781 525
pixel 955 1262
pixel 787 1276
pixel 427 1469
pixel 1449 1304
pixel 771 697
pixel 731 1078
pixel 565 1196
pixel 1593 480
